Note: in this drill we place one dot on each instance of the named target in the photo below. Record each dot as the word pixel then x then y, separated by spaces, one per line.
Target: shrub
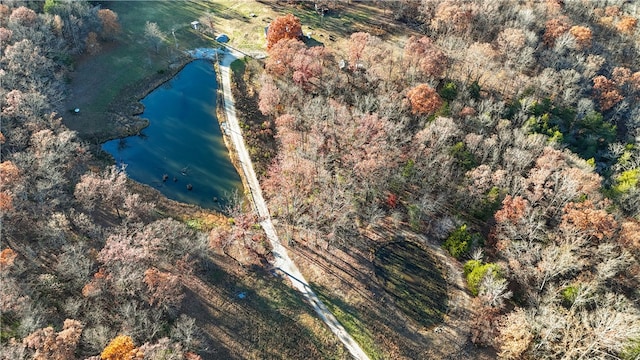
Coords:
pixel 449 91
pixel 569 295
pixel 463 157
pixel 626 181
pixel 474 90
pixel 489 204
pixel 475 271
pixel 632 350
pixel 48 6
pixel 415 217
pixel 470 265
pixel 459 242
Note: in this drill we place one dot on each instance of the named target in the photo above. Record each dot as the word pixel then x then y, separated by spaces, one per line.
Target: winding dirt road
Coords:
pixel 282 260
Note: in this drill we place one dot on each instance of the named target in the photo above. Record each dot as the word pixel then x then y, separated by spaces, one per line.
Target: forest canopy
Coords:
pixel 518 119
pixel 505 132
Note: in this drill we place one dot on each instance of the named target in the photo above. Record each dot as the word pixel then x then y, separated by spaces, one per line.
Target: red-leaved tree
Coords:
pixel 554 28
pixel 281 56
pixel 422 54
pixel 606 92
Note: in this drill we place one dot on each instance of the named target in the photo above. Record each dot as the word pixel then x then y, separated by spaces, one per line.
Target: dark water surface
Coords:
pixel 183 141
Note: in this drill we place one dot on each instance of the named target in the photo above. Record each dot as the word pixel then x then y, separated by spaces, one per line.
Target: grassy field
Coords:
pixel 128 61
pixel 244 21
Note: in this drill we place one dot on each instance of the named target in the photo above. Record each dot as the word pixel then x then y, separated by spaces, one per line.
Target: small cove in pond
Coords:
pixel 183 141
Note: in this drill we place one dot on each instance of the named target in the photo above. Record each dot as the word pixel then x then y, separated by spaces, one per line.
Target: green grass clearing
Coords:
pixel 238 66
pixel 349 317
pixel 130 59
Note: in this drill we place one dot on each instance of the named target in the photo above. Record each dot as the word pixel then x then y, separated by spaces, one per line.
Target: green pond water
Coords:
pixel 183 142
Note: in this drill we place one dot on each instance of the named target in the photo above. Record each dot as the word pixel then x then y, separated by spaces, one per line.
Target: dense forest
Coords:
pixel 504 130
pixel 83 259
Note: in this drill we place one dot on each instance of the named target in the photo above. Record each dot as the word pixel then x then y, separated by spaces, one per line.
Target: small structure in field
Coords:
pixel 195 24
pixel 222 38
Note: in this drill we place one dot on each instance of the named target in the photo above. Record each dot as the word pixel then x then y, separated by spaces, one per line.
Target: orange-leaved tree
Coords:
pixel 424 100
pixel 583 35
pixel 627 25
pixel 9 174
pixel 7 258
pixel 51 345
pixel 283 27
pixel 121 347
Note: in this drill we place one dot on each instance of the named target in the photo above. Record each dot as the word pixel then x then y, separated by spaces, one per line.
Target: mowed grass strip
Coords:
pixel 351 320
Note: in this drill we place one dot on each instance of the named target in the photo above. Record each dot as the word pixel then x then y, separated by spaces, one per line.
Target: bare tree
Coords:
pixel 154 35
pixel 515 336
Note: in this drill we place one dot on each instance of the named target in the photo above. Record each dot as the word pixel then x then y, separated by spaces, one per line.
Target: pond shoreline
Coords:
pixel 182 134
pixel 124 111
pixel 124 115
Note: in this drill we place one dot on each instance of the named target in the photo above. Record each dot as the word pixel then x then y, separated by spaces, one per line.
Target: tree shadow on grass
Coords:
pixel 311 42
pixel 352 319
pixel 411 276
pixel 251 314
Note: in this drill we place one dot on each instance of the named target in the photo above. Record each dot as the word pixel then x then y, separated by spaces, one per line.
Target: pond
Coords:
pixel 181 152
